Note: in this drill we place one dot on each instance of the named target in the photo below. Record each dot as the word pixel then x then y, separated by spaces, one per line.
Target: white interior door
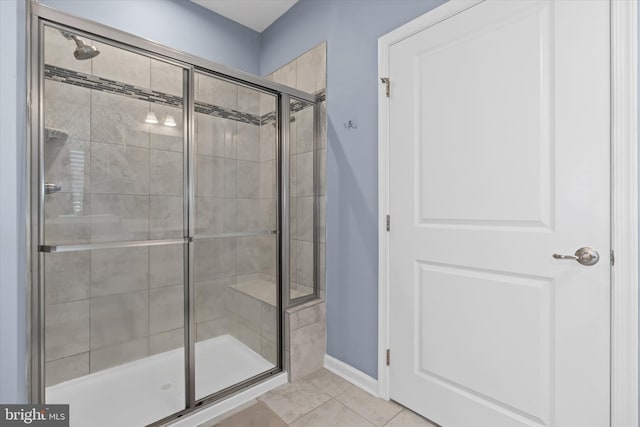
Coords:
pixel 499 158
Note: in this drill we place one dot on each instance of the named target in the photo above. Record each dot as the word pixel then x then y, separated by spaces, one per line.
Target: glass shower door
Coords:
pixel 235 233
pixel 113 232
pixel 156 188
pixel 302 199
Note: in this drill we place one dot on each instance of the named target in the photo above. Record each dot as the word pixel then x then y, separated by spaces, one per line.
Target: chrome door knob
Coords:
pixel 585 256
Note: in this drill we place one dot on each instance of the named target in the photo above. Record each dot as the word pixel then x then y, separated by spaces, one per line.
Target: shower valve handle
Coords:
pixel 50 188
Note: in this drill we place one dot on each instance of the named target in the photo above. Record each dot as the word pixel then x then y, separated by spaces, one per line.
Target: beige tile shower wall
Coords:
pixel 307 73
pixel 235 192
pixel 305 338
pixel 216 207
pixel 121 179
pixel 305 325
pixel 107 307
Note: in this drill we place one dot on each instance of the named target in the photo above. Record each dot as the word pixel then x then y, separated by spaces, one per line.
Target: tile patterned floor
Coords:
pixel 319 400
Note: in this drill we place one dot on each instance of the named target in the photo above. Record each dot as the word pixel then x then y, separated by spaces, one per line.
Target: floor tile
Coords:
pixel 292 401
pixel 329 382
pixel 376 410
pixel 406 418
pixel 228 414
pixel 258 415
pixel 332 413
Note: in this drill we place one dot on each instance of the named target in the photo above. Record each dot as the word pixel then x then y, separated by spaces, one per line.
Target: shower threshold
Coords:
pixel 141 392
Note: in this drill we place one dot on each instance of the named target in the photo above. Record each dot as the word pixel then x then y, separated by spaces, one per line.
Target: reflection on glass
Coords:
pixel 235 193
pixel 111 174
pixel 301 166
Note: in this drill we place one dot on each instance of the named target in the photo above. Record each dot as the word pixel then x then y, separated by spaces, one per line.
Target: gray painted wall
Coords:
pixel 13 318
pixel 351 28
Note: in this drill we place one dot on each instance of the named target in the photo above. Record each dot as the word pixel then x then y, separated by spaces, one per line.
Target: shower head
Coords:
pixel 83 50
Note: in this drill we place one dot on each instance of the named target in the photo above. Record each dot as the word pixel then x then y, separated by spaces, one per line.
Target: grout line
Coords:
pixel 308 412
pixel 359 415
pixel 394 417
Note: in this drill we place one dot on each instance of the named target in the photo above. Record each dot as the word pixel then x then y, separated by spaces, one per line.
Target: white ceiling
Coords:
pixel 255 14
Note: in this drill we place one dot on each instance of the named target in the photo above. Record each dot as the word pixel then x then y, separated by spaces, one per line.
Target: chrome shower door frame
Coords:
pixel 316 123
pixel 41 15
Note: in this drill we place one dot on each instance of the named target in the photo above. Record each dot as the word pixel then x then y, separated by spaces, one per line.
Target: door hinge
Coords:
pixel 387 82
pixel 388 357
pixel 612 258
pixel 388 222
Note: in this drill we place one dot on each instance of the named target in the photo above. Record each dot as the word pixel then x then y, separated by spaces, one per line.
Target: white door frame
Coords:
pixel 624 200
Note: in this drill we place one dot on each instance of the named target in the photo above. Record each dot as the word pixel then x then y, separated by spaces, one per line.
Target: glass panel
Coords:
pixel 235 192
pixel 114 332
pixel 113 163
pixel 302 212
pixel 113 146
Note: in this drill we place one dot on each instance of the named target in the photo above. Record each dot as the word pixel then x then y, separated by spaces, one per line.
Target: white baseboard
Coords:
pixel 234 402
pixel 351 374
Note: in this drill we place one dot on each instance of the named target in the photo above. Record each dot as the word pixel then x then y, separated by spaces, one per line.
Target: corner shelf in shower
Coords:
pixel 262 290
pixel 52 136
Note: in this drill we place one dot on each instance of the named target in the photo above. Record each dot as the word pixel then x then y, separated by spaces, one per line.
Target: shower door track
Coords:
pixel 37 16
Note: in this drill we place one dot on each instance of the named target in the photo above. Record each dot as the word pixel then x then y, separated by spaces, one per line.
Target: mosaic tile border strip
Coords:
pixel 63 75
pixel 226 113
pixel 295 107
pixel 75 78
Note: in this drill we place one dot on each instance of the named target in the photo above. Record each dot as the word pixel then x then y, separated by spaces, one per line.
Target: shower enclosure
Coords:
pixel 161 244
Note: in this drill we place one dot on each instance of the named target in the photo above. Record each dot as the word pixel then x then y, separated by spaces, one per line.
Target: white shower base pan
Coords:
pixel 141 392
